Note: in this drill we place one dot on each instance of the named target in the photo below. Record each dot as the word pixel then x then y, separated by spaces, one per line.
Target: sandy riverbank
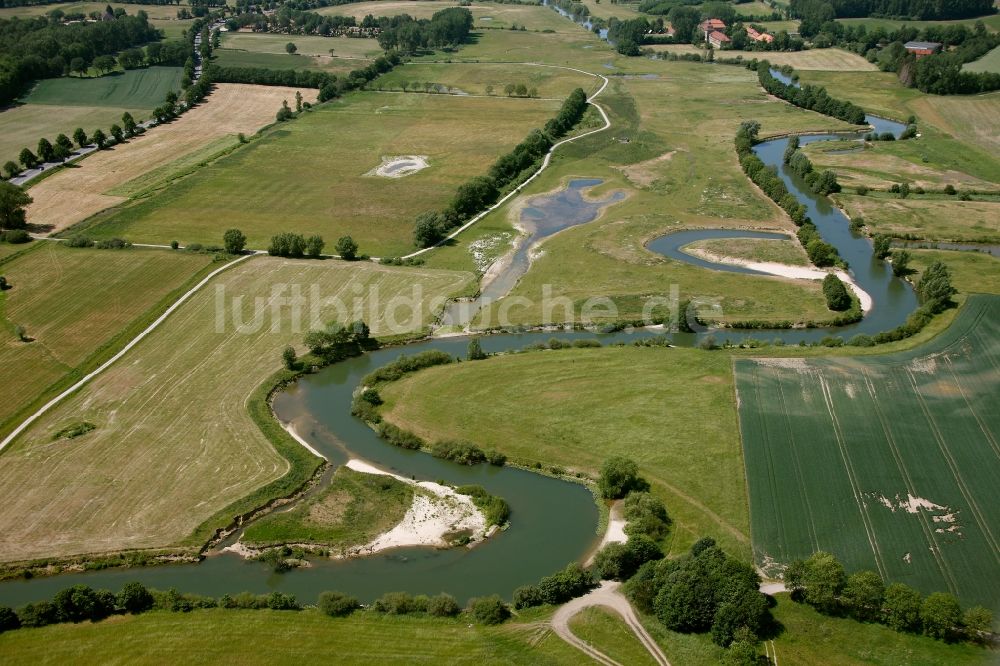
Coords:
pixel 787 271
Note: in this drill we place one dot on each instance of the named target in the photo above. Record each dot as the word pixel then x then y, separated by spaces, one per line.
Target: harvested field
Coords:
pixel 251 59
pixel 306 45
pixel 830 60
pixel 78 191
pixel 889 462
pixel 73 302
pixel 174 442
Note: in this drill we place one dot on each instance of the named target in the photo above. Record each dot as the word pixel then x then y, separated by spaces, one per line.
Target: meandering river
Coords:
pixel 552 521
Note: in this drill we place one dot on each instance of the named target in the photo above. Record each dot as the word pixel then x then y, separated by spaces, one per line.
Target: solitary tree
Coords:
pixel 940 614
pixel 347 248
pixel 12 202
pixel 27 158
pixel 476 352
pixel 128 122
pixel 935 286
pixel 489 90
pixel 99 138
pixel 78 65
pixel 135 598
pixel 619 475
pixel 291 48
pixel 882 245
pixel 80 137
pixel 289 357
pixel 45 152
pixel 521 90
pixel 234 240
pixel 314 246
pixel 298 101
pixel 900 263
pixel 509 89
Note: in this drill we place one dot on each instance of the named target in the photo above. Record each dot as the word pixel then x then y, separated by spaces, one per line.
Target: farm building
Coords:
pixel 921 49
pixel 759 36
pixel 717 39
pixel 708 26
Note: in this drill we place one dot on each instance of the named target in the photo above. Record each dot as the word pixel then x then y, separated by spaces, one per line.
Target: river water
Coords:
pixel 552 521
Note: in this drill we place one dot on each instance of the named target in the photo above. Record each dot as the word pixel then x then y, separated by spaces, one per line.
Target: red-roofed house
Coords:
pixel 708 25
pixel 759 36
pixel 717 39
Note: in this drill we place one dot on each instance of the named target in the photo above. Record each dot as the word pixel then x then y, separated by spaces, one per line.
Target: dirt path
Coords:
pixel 608 596
pixel 544 165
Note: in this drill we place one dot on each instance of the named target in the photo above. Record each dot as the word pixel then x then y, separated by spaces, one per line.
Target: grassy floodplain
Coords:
pixel 831 60
pixel 146 477
pixel 319 162
pixel 754 249
pixel 676 164
pixel 74 302
pixel 551 407
pixel 354 509
pixel 888 461
pixel 605 630
pixel 472 79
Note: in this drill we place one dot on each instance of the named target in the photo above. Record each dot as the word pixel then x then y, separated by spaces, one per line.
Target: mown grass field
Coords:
pixel 354 509
pixel 74 302
pixel 486 15
pixel 319 162
pixel 880 165
pixel 107 178
pixel 889 462
pixel 929 219
pixel 992 23
pixel 831 60
pixel 134 89
pixel 306 45
pixel 174 442
pixel 988 63
pixel 673 413
pixel 474 78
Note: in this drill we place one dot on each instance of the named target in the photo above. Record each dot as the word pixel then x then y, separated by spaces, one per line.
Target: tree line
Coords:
pixel 822 582
pixel 814 98
pixel 912 9
pixel 288 20
pixel 481 192
pixel 446 28
pixel 38 47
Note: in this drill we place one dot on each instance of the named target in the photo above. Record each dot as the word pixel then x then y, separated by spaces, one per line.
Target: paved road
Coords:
pixel 606 595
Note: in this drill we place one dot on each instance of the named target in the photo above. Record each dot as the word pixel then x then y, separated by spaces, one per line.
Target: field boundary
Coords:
pixel 132 343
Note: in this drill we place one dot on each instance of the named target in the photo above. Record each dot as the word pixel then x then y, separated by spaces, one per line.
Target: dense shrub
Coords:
pixel 15 236
pixel 494 508
pixel 398 437
pixel 8 619
pixel 135 598
pixel 336 604
pixel 407 364
pixel 837 296
pixel 489 610
pixel 558 588
pixel 645 515
pixel 443 605
pixel 620 561
pixel 619 476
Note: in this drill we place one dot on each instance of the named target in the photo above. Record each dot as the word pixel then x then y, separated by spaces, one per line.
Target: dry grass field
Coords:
pixel 78 191
pixel 930 219
pixel 174 442
pixel 73 301
pixel 829 60
pixel 486 15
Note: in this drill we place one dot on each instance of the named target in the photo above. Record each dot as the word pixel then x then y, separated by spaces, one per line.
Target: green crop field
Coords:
pixel 319 161
pixel 673 413
pixel 74 302
pixel 889 462
pixel 146 476
pixel 354 509
pixel 988 63
pixel 134 89
pixel 154 11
